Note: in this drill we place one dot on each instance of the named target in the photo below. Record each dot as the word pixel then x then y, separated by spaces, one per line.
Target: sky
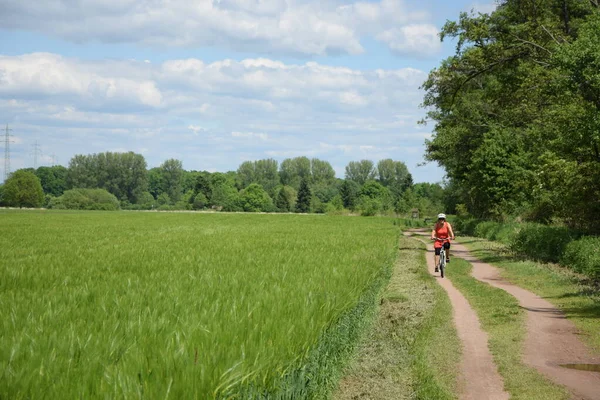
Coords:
pixel 215 83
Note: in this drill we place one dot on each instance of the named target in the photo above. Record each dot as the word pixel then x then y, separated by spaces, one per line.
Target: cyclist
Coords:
pixel 441 230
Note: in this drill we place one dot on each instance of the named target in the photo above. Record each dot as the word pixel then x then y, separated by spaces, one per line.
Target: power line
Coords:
pixel 7 143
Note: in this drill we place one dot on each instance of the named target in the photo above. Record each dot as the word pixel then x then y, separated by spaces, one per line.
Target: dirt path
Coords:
pixel 551 339
pixel 479 377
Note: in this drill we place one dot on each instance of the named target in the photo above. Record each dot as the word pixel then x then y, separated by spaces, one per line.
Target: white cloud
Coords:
pixel 43 74
pixel 303 27
pixel 412 39
pixel 250 135
pixel 196 129
pixel 211 115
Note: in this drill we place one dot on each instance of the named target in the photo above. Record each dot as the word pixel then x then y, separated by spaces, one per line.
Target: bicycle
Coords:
pixel 442 262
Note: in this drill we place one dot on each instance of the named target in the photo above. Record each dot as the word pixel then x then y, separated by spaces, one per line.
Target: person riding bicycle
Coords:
pixel 441 230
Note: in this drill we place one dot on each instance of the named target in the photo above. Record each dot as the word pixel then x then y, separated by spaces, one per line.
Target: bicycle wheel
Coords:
pixel 442 263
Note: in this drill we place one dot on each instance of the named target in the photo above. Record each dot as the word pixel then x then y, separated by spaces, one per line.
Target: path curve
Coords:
pixel 551 338
pixel 479 378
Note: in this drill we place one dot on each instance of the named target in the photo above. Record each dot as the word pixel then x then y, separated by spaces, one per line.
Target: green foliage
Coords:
pixel 163 199
pixel 541 242
pixel 203 185
pixel 349 193
pixel 511 145
pixel 322 173
pixel 122 174
pixel 171 179
pixel 155 184
pixel 199 201
pixel 360 171
pixel 53 179
pixel 146 201
pixel 86 199
pixel 284 199
pixel 583 256
pixel 368 206
pixel 255 199
pixel 303 201
pixel 263 172
pixel 23 189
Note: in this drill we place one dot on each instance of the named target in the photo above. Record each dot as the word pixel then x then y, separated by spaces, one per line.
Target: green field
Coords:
pixel 182 305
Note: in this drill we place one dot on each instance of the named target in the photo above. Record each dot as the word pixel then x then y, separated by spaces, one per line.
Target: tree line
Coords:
pixel 122 181
pixel 517 112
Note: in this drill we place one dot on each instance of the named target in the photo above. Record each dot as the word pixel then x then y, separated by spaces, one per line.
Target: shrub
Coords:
pixel 541 242
pixel 466 226
pixel 369 207
pixel 583 256
pixel 86 199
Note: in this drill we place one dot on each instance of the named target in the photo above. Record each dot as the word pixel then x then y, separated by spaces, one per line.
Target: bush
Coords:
pixel 86 199
pixel 369 207
pixel 501 232
pixel 583 256
pixel 466 226
pixel 541 242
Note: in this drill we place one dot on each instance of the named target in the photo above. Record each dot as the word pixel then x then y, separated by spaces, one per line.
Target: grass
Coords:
pixel 413 350
pixel 172 305
pixel 504 321
pixel 574 294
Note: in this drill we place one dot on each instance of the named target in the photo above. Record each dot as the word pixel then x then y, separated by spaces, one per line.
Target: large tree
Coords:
pixel 515 110
pixel 304 197
pixel 23 189
pixel 171 172
pixel 360 171
pixel 293 170
pixel 122 174
pixel 53 179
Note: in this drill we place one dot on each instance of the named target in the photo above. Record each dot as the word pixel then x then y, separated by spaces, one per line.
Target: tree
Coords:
pixel 394 175
pixel 122 174
pixel 376 196
pixel 293 170
pixel 322 172
pixel 155 184
pixel 349 193
pixel 246 173
pixel 304 197
pixel 515 110
pixel 203 185
pixel 254 199
pixel 223 191
pixel 53 179
pixel 282 201
pixel 23 189
pixel 171 178
pixel 189 179
pixel 360 171
pixel 266 174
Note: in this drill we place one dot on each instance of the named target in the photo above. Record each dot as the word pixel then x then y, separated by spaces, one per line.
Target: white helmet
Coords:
pixel 442 216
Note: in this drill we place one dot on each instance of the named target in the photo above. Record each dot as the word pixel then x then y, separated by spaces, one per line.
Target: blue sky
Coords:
pixel 218 82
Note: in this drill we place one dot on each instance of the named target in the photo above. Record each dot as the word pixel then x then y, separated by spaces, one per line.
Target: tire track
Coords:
pixel 551 338
pixel 479 377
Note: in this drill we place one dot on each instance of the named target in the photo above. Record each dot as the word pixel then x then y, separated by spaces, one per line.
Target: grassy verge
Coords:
pixel 403 357
pixel 572 293
pixel 504 321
